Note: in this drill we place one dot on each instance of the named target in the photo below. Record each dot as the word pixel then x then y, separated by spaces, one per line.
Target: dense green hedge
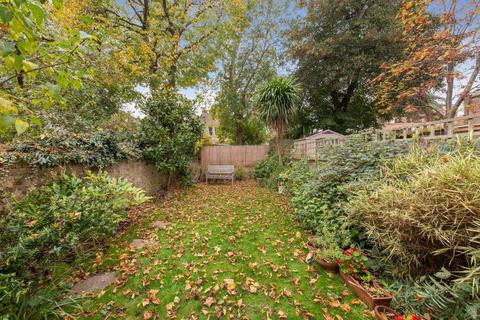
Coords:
pixel 423 216
pixel 415 210
pixel 169 132
pixel 59 146
pixel 320 193
pixel 268 170
pixel 57 223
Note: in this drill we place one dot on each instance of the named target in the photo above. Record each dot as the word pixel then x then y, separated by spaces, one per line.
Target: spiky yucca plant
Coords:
pixel 276 101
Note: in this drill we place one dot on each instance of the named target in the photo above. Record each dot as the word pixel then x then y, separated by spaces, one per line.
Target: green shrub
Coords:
pixel 296 175
pixel 269 170
pixel 438 296
pixel 328 248
pixel 64 218
pixel 240 173
pixel 58 146
pixel 170 132
pixel 58 223
pixel 424 217
pixel 423 210
pixel 320 194
pixel 264 168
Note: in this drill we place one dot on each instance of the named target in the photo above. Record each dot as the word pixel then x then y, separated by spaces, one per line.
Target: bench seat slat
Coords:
pixel 220 172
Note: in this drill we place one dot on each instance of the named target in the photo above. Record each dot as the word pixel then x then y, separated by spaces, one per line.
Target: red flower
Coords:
pixel 398 317
pixel 349 251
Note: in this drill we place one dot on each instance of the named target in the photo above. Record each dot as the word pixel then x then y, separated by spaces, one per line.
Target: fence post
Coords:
pixel 245 156
pixel 470 127
pixel 449 125
pixel 432 130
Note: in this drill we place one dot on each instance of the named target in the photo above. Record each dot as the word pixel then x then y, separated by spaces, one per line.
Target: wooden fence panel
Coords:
pixel 309 148
pixel 245 156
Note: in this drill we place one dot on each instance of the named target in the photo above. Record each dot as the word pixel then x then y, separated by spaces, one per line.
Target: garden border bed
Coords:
pixel 363 294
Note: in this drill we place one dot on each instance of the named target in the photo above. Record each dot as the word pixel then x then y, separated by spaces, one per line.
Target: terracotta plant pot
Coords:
pixel 380 312
pixel 328 266
pixel 310 247
pixel 365 295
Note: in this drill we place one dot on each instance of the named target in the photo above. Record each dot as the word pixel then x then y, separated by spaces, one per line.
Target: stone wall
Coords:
pixel 18 179
pixel 141 174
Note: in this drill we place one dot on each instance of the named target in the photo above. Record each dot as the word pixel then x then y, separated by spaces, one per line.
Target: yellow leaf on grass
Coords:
pixel 335 304
pixel 209 301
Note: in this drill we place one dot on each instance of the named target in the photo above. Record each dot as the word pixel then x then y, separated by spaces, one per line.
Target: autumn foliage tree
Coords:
pixel 441 59
pixel 39 61
pixel 169 43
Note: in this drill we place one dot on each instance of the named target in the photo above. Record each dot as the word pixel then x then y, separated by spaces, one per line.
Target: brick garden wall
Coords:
pixel 18 179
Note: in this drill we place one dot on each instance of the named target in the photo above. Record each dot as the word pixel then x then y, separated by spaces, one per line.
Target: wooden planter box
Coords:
pixel 380 310
pixel 327 266
pixel 364 295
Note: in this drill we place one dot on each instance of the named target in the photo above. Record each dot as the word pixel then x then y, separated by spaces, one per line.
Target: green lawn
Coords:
pixel 231 252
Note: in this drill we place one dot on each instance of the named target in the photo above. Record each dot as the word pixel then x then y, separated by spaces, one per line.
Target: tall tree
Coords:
pixel 276 101
pixel 38 60
pixel 170 43
pixel 339 46
pixel 251 56
pixel 442 58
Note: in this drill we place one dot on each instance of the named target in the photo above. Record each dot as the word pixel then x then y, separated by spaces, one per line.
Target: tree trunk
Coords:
pixel 238 136
pixel 341 105
pixel 279 150
pixel 279 137
pixel 172 76
pixel 449 95
pixel 467 89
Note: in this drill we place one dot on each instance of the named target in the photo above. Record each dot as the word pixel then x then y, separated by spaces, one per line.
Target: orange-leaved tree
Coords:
pixel 441 60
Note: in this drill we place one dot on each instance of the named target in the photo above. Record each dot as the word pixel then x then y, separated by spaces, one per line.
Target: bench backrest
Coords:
pixel 228 168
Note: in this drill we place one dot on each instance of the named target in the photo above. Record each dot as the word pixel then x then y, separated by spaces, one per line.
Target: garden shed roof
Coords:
pixel 320 133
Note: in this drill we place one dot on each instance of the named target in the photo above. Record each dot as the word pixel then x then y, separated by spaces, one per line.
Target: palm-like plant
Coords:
pixel 276 101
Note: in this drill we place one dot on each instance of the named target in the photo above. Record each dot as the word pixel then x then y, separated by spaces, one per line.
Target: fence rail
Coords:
pixel 441 129
pixel 433 130
pixel 309 147
pixel 236 155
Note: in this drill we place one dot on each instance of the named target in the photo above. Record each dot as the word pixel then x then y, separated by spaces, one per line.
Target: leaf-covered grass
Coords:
pixel 229 252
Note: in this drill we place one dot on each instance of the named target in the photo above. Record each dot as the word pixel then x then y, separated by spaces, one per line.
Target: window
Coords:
pixel 210 131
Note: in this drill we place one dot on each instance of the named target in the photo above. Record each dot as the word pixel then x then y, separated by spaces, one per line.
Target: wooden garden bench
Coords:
pixel 226 172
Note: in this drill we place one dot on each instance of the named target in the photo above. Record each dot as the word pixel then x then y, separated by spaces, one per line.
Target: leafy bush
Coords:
pixel 58 146
pixel 354 262
pixel 327 248
pixel 264 168
pixel 296 175
pixel 319 195
pixel 240 173
pixel 170 132
pixel 64 218
pixel 423 210
pixel 269 169
pixel 424 216
pixel 58 223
